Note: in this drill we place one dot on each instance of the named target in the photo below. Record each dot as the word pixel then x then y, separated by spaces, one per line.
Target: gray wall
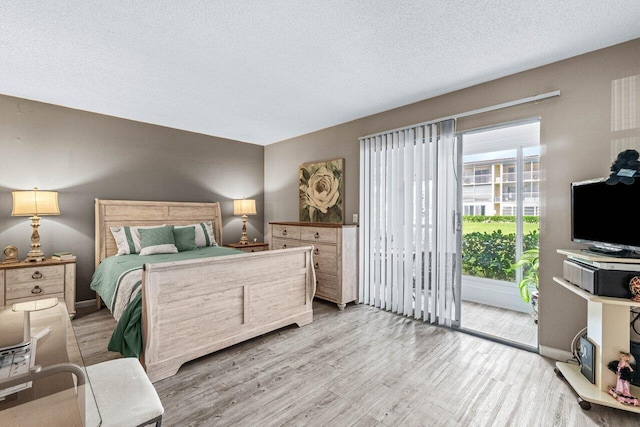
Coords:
pixel 581 133
pixel 85 156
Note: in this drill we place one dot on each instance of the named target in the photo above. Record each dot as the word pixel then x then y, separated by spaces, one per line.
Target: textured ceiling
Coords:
pixel 265 71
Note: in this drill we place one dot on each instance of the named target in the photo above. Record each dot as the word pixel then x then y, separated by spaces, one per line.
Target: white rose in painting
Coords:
pixel 322 190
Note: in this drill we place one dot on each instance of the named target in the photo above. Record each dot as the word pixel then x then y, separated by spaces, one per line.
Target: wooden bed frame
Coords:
pixel 194 307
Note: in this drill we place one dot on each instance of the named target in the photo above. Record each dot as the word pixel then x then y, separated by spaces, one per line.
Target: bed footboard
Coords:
pixel 193 308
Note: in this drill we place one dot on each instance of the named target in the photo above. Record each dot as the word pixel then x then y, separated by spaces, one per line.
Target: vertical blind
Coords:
pixel 410 226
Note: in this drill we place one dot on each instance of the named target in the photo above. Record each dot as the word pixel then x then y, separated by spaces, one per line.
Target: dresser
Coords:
pixel 335 255
pixel 27 281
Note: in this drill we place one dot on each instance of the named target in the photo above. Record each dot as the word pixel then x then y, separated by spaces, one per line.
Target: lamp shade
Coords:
pixel 244 207
pixel 35 203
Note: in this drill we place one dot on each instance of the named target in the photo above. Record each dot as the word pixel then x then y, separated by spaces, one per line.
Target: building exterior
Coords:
pixel 489 186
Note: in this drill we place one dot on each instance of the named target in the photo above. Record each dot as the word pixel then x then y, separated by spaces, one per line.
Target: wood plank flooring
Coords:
pixel 362 367
pixel 498 322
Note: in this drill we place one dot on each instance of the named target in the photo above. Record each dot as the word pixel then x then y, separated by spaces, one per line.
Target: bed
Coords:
pixel 193 307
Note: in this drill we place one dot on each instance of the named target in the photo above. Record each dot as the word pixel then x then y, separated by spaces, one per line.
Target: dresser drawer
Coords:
pixel 326 286
pixel 284 243
pixel 325 265
pixel 322 251
pixel 286 231
pixel 319 234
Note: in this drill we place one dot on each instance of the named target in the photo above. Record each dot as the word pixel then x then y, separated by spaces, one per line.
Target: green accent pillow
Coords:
pixel 185 238
pixel 156 236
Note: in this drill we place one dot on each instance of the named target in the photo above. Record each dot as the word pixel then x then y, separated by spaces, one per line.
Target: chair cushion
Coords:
pixel 124 395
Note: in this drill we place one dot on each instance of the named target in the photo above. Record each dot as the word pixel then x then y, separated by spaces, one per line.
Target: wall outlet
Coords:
pixel 355 218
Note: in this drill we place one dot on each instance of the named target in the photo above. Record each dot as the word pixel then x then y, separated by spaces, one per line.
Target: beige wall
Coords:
pixel 84 155
pixel 579 141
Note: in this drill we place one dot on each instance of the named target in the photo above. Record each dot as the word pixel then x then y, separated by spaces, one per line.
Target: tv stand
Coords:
pixel 620 253
pixel 608 329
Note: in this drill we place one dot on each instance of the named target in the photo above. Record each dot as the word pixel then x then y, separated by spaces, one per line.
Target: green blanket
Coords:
pixel 127 337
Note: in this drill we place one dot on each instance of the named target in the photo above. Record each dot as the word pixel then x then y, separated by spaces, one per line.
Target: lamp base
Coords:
pixel 35 255
pixel 243 239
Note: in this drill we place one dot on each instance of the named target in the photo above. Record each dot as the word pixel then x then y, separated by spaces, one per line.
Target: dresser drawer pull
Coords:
pixel 284 232
pixel 316 266
pixel 36 290
pixel 316 251
pixel 36 275
pixel 317 235
pixel 284 246
pixel 253 250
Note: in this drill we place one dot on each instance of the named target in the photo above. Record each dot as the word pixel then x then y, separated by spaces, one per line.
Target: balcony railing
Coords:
pixel 476 179
pixel 527 176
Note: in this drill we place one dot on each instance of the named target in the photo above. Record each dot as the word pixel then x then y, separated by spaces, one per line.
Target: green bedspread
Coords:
pixel 127 337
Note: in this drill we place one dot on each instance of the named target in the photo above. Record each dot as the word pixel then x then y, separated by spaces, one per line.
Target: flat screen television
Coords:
pixel 605 217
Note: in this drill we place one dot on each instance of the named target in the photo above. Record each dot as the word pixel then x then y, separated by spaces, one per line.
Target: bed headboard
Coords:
pixel 111 213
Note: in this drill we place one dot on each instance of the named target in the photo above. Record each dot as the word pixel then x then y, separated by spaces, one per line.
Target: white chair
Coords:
pixel 123 393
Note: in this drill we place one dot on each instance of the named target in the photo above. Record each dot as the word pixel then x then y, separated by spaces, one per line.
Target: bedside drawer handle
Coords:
pixel 284 232
pixel 316 251
pixel 316 266
pixel 317 235
pixel 36 290
pixel 284 246
pixel 36 275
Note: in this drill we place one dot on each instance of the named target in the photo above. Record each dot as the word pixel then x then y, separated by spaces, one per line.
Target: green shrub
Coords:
pixel 492 255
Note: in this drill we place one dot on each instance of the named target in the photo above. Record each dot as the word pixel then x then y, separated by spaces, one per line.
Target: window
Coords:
pixel 506 198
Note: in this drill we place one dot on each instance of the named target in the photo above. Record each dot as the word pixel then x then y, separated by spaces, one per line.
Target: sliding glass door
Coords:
pixel 501 212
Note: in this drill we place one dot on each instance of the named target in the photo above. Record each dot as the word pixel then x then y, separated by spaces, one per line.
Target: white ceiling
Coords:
pixel 264 71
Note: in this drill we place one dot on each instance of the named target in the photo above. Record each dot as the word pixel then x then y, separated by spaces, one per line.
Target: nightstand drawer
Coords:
pixel 29 281
pixel 253 249
pixel 35 274
pixel 319 234
pixel 286 231
pixel 284 243
pixel 34 289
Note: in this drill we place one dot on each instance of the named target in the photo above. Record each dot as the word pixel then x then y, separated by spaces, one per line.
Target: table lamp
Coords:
pixel 244 207
pixel 34 203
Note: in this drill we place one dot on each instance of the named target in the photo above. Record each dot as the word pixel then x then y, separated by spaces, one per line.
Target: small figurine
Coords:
pixel 624 371
pixel 634 287
pixel 625 168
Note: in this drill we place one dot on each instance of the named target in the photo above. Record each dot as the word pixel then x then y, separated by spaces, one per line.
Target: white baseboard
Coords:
pixel 493 293
pixel 555 353
pixel 86 303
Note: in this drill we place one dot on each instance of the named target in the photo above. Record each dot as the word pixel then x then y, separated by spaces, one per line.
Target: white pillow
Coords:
pixel 128 238
pixel 159 249
pixel 204 234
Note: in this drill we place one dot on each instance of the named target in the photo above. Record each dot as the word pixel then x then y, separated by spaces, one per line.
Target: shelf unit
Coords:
pixel 608 328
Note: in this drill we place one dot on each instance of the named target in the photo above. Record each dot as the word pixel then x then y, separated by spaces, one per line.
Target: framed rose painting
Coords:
pixel 321 191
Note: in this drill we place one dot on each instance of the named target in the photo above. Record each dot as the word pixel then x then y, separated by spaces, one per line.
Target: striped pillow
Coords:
pixel 204 233
pixel 128 238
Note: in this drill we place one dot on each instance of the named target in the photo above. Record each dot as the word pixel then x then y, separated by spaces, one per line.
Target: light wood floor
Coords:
pixel 497 322
pixel 362 367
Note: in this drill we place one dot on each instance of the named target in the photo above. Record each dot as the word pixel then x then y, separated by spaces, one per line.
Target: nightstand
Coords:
pixel 250 247
pixel 27 281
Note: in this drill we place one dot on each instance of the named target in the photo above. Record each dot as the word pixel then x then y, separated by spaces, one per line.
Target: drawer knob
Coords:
pixel 317 235
pixel 316 265
pixel 253 250
pixel 284 246
pixel 36 275
pixel 316 251
pixel 284 232
pixel 36 290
